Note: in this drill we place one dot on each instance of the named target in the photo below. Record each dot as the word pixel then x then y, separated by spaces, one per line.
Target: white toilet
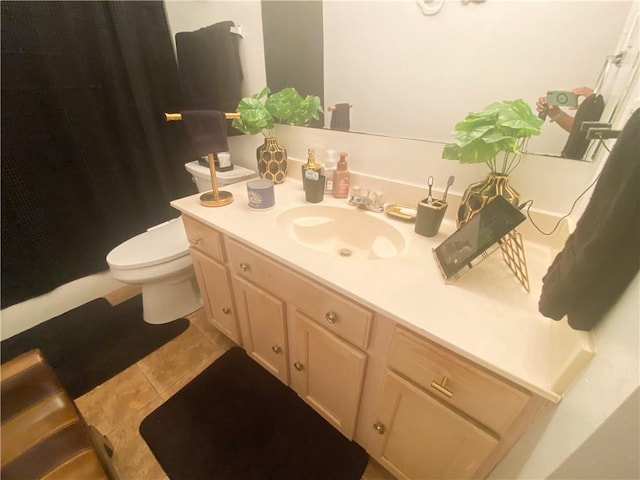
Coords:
pixel 159 259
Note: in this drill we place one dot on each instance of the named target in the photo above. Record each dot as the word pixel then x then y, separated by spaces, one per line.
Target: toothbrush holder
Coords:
pixel 429 217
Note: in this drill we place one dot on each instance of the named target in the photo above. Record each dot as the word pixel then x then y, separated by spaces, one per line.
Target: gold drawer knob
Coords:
pixel 226 310
pixel 441 387
pixel 331 317
pixel 298 366
pixel 380 428
pixel 194 241
pixel 276 349
pixel 245 267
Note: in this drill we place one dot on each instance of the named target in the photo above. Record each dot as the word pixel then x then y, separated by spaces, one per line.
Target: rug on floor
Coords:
pixel 94 342
pixel 237 421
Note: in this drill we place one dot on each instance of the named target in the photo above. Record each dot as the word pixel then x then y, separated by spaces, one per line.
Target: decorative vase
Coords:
pixel 272 160
pixel 478 194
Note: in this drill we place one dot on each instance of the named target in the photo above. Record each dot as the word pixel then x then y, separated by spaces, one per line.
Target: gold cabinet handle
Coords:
pixel 298 366
pixel 245 267
pixel 380 428
pixel 226 310
pixel 331 317
pixel 440 387
pixel 276 349
pixel 194 241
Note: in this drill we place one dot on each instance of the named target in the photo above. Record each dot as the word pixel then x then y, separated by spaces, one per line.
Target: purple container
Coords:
pixel 261 194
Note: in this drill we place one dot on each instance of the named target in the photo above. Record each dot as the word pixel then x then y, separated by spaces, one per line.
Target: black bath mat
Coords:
pixel 236 421
pixel 94 342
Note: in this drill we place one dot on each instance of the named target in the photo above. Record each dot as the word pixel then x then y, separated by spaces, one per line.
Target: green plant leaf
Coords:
pixel 479 152
pixel 260 111
pixel 265 92
pixel 254 117
pixel 451 151
pixel 499 127
pixel 309 108
pixel 283 105
pixel 517 115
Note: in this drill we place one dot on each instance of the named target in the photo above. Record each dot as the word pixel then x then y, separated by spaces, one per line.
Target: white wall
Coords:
pixel 603 455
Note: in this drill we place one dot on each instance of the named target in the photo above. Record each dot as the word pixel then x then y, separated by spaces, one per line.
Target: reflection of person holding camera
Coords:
pixel 589 110
pixel 556 114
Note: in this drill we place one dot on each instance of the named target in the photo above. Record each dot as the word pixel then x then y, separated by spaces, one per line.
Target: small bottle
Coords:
pixel 341 178
pixel 312 166
pixel 329 168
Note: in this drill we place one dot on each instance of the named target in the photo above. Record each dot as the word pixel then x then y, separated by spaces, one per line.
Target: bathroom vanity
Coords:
pixel 433 380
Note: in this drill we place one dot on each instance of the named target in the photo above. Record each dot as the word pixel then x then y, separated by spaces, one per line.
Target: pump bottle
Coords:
pixel 311 165
pixel 341 178
pixel 329 168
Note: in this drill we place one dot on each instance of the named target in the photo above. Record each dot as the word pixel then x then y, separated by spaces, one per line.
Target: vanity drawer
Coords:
pixel 204 238
pixel 328 308
pixel 490 400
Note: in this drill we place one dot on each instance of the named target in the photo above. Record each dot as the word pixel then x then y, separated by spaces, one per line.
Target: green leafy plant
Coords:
pixel 502 127
pixel 259 112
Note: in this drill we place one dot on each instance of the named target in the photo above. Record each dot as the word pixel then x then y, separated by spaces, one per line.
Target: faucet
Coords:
pixel 372 201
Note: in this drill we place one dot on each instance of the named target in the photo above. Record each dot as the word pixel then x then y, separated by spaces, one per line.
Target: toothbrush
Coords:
pixel 429 197
pixel 449 183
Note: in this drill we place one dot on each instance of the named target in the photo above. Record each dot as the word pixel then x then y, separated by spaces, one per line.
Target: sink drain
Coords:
pixel 345 252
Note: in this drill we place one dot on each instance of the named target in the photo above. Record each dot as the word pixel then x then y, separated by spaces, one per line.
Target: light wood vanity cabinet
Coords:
pixel 214 280
pixel 264 327
pixel 328 374
pixel 326 367
pixel 419 409
pixel 440 416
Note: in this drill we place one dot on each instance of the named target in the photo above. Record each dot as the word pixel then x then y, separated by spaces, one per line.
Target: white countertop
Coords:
pixel 487 317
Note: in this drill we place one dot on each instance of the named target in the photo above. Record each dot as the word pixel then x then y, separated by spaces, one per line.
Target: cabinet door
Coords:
pixel 214 281
pixel 264 327
pixel 328 374
pixel 421 438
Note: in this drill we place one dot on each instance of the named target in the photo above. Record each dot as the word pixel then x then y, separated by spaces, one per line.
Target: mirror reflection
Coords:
pixel 405 74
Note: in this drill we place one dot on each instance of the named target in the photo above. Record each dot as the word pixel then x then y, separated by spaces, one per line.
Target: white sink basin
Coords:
pixel 345 232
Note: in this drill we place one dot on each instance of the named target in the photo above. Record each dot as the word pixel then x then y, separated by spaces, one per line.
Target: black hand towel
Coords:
pixel 602 255
pixel 210 68
pixel 206 130
pixel 589 110
pixel 340 117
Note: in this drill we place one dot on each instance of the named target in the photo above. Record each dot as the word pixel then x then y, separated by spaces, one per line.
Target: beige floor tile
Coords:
pixel 117 400
pixel 132 456
pixel 199 319
pixel 187 377
pixel 190 352
pixel 375 471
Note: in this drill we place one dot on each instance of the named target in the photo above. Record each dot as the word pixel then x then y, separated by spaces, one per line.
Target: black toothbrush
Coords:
pixel 449 183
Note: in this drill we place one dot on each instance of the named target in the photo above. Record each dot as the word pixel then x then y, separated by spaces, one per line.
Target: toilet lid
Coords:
pixel 162 244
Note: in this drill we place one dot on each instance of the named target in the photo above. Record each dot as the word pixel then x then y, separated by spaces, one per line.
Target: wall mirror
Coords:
pixel 411 75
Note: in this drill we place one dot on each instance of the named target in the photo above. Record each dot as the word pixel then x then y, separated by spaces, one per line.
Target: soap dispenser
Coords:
pixel 311 165
pixel 329 168
pixel 341 178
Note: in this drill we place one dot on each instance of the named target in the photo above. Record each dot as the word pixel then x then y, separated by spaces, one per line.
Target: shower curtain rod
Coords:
pixel 173 117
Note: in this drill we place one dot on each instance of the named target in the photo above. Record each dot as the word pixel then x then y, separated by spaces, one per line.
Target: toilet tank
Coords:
pixel 202 177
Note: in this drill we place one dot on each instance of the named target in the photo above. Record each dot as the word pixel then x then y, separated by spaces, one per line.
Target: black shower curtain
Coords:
pixel 87 159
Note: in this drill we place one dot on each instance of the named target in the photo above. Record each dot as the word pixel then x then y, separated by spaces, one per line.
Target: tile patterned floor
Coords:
pixel 118 406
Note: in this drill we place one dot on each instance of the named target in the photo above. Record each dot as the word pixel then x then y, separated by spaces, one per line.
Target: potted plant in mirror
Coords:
pixel 497 136
pixel 260 112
